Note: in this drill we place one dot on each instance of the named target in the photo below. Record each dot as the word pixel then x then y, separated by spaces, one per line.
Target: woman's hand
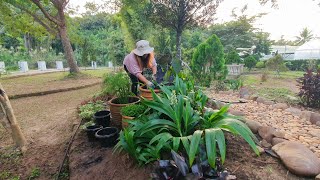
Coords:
pixel 150 84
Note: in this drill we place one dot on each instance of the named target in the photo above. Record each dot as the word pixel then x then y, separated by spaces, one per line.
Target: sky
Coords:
pixel 288 19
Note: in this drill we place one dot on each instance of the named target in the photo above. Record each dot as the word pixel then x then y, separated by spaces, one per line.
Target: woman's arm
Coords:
pixel 142 78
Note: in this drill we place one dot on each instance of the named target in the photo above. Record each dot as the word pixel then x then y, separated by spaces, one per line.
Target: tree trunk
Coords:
pixel 68 52
pixel 178 44
pixel 7 111
pixel 27 41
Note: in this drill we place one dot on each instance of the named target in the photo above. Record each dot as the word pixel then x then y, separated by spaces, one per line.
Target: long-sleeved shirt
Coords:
pixel 132 64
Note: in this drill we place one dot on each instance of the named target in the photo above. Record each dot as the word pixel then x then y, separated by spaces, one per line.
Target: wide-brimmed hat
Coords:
pixel 142 47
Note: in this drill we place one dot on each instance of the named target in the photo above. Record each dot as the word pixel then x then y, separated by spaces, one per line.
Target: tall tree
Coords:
pixel 50 14
pixel 208 61
pixel 177 15
pixel 304 36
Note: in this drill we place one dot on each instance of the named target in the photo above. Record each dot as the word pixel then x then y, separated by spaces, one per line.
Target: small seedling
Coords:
pixel 34 173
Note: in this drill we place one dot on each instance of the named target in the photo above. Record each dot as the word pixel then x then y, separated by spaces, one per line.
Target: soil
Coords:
pixel 88 160
pixel 48 123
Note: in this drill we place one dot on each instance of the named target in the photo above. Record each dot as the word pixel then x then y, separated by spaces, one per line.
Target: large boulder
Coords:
pixel 298 158
pixel 253 125
pixel 315 117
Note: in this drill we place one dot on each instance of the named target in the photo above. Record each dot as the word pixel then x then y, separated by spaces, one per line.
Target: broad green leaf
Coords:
pixel 222 144
pixel 194 146
pixel 175 143
pixel 211 146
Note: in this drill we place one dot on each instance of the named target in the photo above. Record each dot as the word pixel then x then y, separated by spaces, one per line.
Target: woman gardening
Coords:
pixel 134 63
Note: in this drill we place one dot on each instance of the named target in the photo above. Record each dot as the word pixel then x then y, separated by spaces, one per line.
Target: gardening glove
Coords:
pixel 154 77
pixel 150 84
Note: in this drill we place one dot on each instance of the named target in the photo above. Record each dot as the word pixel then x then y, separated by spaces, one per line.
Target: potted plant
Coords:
pixel 146 93
pixel 131 112
pixel 118 84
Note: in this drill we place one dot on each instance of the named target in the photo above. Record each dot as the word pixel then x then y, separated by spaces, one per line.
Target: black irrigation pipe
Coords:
pixel 235 102
pixel 67 150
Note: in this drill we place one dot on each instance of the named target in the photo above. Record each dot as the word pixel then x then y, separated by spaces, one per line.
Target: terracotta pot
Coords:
pixel 125 119
pixel 115 109
pixel 146 93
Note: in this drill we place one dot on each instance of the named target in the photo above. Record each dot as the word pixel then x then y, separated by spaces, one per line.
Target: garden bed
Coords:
pixel 90 161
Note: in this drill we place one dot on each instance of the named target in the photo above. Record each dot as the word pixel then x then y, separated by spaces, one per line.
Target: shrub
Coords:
pixel 233 57
pixel 250 62
pixel 87 111
pixel 117 84
pixel 234 84
pixel 264 76
pixel 260 65
pixel 277 64
pixel 310 88
pixel 133 110
pixel 208 61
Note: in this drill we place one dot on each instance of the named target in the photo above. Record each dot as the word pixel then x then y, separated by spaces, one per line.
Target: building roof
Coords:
pixel 284 49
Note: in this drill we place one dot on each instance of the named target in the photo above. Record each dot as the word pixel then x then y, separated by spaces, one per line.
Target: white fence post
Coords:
pixel 42 65
pixel 59 65
pixel 23 66
pixel 2 67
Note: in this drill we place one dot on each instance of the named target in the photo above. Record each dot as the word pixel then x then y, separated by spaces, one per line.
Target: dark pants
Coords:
pixel 134 81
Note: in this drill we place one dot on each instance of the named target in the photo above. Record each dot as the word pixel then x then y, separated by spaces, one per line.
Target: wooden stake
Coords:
pixel 8 118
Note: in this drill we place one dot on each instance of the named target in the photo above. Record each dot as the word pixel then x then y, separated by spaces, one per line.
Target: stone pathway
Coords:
pixel 292 121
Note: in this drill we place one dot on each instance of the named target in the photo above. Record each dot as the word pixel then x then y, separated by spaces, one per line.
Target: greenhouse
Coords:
pixel 309 50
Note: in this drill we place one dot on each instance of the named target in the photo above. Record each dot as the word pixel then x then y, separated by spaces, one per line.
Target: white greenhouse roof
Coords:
pixel 284 49
pixel 309 50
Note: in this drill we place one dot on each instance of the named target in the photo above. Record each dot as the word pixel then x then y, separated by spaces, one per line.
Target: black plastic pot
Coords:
pixel 102 118
pixel 91 132
pixel 108 136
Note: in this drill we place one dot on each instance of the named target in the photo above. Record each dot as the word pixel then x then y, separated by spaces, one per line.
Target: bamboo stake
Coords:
pixel 9 118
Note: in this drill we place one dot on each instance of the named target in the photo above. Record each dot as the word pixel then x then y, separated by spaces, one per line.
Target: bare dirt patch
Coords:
pixel 47 122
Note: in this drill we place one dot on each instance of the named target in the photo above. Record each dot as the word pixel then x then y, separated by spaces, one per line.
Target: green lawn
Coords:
pixel 47 77
pixel 281 88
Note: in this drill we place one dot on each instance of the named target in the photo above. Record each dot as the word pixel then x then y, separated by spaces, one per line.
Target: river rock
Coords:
pixel 243 91
pixel 315 133
pixel 298 158
pixel 254 97
pixel 236 112
pixel 314 118
pixel 280 106
pixel 265 144
pixel 294 111
pixel 268 102
pixel 306 115
pixel 260 100
pixel 266 132
pixel 276 141
pixel 253 125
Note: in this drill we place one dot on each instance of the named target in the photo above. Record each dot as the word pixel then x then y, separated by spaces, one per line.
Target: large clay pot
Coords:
pixel 115 108
pixel 125 119
pixel 146 93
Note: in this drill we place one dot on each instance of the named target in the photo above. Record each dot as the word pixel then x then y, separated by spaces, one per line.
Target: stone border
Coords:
pixel 296 157
pixel 17 96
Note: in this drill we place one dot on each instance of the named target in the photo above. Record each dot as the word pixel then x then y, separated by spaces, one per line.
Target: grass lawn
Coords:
pixel 281 88
pixel 50 81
